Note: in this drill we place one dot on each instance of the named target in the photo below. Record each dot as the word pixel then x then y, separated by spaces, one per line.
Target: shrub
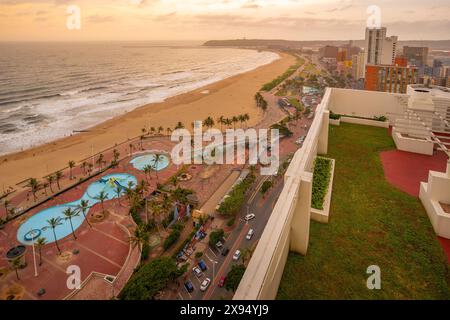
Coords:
pixel 151 279
pixel 230 222
pixel 380 118
pixel 334 116
pixel 134 212
pixel 231 205
pixel 198 254
pixel 289 72
pixel 145 251
pixel 173 236
pixel 321 180
pixel 234 277
pixel 215 236
pixel 266 186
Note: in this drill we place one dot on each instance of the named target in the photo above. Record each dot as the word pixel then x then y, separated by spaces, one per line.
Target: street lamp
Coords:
pixel 32 233
pixel 214 262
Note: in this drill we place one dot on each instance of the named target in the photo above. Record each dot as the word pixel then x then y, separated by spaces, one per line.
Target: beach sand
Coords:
pixel 229 97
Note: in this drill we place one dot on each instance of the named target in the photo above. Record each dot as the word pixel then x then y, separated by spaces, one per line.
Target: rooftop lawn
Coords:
pixel 371 223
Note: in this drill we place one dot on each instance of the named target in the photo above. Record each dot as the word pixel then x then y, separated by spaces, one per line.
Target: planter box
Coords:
pixel 335 122
pixel 366 122
pixel 323 216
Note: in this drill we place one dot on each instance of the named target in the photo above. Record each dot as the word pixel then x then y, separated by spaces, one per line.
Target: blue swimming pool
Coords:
pixel 38 222
pixel 149 159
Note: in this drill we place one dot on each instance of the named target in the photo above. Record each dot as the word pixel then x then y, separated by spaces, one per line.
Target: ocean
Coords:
pixel 50 90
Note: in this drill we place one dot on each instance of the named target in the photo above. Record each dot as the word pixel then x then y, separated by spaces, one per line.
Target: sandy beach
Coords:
pixel 229 97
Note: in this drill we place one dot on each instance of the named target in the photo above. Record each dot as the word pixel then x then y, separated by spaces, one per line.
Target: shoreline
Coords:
pixel 228 97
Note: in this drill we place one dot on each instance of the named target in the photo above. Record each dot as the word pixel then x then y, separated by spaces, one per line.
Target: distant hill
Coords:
pixel 432 44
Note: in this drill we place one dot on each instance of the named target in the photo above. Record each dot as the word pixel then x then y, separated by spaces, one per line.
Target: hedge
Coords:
pixel 231 205
pixel 289 72
pixel 321 181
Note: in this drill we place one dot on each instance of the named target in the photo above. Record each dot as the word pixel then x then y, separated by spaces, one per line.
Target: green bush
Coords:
pixel 380 118
pixel 266 186
pixel 215 236
pixel 151 279
pixel 231 221
pixel 334 116
pixel 145 251
pixel 234 277
pixel 289 72
pixel 321 180
pixel 173 236
pixel 231 205
pixel 198 255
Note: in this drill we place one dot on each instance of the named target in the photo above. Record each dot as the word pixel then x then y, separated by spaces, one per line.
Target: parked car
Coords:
pixel 219 245
pixel 202 265
pixel 205 284
pixel 250 234
pixel 250 217
pixel 225 252
pixel 237 255
pixel 189 286
pixel 222 281
pixel 198 273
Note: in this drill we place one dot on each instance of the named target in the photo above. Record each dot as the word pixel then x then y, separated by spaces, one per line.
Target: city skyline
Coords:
pixel 199 20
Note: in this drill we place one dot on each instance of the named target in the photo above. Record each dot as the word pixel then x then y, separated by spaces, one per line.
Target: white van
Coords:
pixel 250 234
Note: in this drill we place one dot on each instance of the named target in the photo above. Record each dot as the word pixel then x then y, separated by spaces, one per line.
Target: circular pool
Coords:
pixel 37 224
pixel 156 163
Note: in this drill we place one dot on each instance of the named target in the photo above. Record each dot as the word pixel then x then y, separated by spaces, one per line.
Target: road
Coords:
pixel 262 208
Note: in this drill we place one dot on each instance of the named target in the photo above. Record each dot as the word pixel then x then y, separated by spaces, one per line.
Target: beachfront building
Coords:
pixel 389 78
pixel 418 120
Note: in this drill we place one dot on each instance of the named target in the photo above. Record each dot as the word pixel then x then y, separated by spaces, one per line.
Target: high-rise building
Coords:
pixel 401 61
pixel 328 52
pixel 389 78
pixel 379 48
pixel 417 56
pixel 358 65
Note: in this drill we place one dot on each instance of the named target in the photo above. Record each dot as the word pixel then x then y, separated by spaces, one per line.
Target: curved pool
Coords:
pixel 149 159
pixel 37 224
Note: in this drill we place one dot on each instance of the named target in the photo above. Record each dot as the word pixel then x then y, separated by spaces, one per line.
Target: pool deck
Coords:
pixel 103 249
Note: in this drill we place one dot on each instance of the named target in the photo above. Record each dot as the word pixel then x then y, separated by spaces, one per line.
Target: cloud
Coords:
pixel 96 18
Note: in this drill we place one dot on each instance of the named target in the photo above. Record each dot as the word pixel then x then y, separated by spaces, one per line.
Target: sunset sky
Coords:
pixel 45 20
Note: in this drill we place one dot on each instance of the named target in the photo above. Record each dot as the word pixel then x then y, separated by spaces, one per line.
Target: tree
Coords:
pixel 235 120
pixel 215 237
pixel 58 176
pixel 234 277
pixel 53 223
pixel 160 129
pixel 139 238
pixel 17 264
pixel 118 190
pixel 151 279
pixel 83 167
pixel 71 166
pixel 34 185
pixel 6 203
pixel 50 180
pixel 83 207
pixel 179 125
pixel 209 122
pixel 102 196
pixel 158 158
pixel 69 214
pixel 40 243
pixel 100 160
pixel 221 121
pixel 266 186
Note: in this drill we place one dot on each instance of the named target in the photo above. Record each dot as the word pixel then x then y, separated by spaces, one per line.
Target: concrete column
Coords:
pixel 322 147
pixel 299 239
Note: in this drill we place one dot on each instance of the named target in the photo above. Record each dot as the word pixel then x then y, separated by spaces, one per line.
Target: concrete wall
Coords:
pixel 367 104
pixel 288 226
pixel 366 122
pixel 412 145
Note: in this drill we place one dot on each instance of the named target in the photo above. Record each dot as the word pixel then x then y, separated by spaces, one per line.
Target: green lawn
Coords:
pixel 371 223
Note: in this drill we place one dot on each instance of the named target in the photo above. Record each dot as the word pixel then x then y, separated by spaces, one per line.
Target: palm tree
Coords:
pixel 246 118
pixel 131 148
pixel 156 160
pixel 6 203
pixel 34 185
pixel 58 176
pixel 53 223
pixel 40 243
pixel 84 207
pixel 50 180
pixel 17 264
pixel 168 130
pixel 160 129
pixel 152 130
pixel 83 167
pixel 221 120
pixel 71 166
pixel 228 122
pixel 116 154
pixel 69 214
pixel 209 122
pixel 139 238
pixel 100 160
pixel 234 120
pixel 241 119
pixel 118 190
pixel 147 171
pixel 141 142
pixel 179 125
pixel 102 196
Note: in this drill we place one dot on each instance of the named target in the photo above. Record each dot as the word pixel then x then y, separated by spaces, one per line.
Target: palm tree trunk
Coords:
pixel 56 241
pixel 40 257
pixel 85 218
pixel 17 274
pixel 71 226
